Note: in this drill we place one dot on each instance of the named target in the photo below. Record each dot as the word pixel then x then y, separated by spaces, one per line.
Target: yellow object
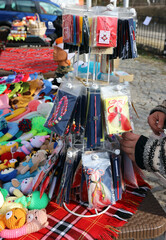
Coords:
pixel 15 218
pixel 9 204
pixel 8 147
pixel 8 163
pixel 15 113
pixel 81 26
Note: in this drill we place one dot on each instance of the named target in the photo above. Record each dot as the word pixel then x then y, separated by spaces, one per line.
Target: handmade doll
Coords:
pixel 9 163
pixel 36 220
pixel 61 57
pixel 33 201
pixel 13 219
pixel 32 163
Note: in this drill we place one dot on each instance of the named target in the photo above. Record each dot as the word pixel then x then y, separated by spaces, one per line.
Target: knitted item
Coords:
pixel 15 218
pixel 36 220
pixel 160 108
pixel 25 125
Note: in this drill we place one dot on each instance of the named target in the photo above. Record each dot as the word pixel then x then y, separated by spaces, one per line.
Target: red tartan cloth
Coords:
pixel 28 60
pixel 64 225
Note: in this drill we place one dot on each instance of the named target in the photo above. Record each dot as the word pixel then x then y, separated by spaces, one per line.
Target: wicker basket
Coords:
pixel 38 28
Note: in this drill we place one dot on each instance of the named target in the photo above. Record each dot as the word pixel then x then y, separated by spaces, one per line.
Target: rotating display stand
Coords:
pixel 110 10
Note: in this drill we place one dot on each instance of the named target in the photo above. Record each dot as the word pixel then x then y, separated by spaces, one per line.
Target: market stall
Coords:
pixel 62 169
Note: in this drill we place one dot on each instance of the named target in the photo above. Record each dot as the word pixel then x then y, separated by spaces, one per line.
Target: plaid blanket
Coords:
pixel 28 60
pixel 66 225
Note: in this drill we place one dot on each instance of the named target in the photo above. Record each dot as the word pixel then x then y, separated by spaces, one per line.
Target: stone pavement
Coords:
pixel 148 89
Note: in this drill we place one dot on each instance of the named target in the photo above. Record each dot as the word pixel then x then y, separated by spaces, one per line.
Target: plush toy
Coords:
pixel 50 146
pixel 36 220
pixel 37 129
pixel 7 174
pixel 12 163
pixel 33 201
pixel 25 149
pixel 13 219
pixel 20 156
pixel 35 142
pixel 25 186
pixel 7 147
pixel 9 204
pixel 38 159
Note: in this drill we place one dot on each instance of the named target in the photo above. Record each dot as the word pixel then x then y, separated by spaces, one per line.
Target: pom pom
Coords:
pixel 25 125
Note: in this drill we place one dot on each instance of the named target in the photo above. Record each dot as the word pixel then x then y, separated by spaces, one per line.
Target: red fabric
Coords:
pixel 64 225
pixel 28 60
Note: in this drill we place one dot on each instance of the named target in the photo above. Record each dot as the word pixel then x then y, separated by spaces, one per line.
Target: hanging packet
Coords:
pixel 63 108
pixel 117 108
pixel 98 172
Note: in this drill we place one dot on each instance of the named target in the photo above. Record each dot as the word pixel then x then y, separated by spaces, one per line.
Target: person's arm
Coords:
pixel 154 155
pixel 157 118
pixel 159 108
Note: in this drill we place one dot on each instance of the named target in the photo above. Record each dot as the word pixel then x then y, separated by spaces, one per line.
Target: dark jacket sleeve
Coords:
pixel 139 149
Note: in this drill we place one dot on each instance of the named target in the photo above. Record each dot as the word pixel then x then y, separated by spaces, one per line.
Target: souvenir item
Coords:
pixel 67 26
pixel 105 29
pixel 62 112
pixel 94 122
pixel 98 172
pixel 117 114
pixel 13 219
pixel 35 220
pixel 33 201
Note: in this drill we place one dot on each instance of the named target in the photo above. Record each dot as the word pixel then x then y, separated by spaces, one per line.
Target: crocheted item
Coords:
pixel 25 125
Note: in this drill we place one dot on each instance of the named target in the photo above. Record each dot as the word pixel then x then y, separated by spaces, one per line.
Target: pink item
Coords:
pixel 32 106
pixel 4 101
pixel 36 220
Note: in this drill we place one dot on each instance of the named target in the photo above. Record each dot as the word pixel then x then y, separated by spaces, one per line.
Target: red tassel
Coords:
pixel 126 126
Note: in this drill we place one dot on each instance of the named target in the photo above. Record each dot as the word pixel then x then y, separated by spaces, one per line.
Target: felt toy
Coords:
pixel 12 163
pixel 50 146
pixel 4 101
pixel 32 106
pixel 38 159
pixel 47 87
pixel 13 219
pixel 35 221
pixel 9 204
pixel 33 201
pixel 8 147
pixel 7 174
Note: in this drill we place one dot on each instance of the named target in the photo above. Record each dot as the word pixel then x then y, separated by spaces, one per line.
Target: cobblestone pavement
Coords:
pixel 148 89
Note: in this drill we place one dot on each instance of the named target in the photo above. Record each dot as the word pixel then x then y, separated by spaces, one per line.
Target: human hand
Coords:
pixel 156 122
pixel 128 143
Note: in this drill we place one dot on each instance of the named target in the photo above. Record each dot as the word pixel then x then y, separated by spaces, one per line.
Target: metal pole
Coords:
pixel 89 3
pixel 126 3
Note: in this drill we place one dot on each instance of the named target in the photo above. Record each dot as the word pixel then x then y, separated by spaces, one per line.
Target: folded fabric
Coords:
pixel 2 88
